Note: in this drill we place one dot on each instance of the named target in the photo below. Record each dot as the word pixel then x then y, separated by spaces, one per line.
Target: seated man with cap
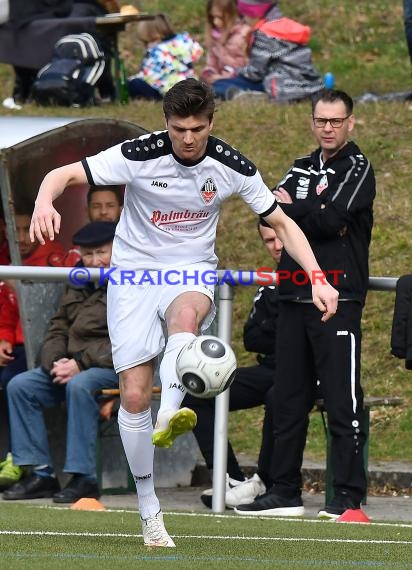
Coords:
pixel 76 362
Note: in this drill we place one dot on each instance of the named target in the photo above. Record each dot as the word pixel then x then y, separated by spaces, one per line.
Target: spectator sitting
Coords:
pixel 75 362
pixel 251 387
pixel 4 260
pixel 169 58
pixel 12 353
pixel 226 40
pixel 104 204
pixel 280 61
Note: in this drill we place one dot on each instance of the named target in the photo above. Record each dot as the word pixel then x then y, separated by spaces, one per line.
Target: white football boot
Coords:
pixel 154 532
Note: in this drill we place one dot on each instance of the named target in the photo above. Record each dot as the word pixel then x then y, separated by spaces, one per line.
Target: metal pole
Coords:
pixel 31 273
pixel 64 273
pixel 226 294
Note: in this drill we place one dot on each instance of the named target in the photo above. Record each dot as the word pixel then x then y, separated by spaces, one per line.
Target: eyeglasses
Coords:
pixel 336 122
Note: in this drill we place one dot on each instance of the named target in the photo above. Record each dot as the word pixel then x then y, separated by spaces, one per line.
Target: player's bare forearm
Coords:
pixel 45 222
pixel 325 297
pixel 294 240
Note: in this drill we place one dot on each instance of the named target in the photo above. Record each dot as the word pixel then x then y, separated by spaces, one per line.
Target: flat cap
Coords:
pixel 95 233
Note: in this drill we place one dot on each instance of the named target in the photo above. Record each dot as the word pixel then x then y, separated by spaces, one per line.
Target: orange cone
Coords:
pixel 86 504
pixel 354 515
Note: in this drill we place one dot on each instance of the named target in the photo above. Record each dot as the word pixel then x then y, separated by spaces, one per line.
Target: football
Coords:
pixel 206 366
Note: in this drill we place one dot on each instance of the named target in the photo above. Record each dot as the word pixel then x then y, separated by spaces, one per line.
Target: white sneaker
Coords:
pixel 154 532
pixel 245 493
pixel 207 495
pixel 9 103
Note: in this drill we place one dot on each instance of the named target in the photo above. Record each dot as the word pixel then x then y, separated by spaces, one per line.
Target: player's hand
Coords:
pixel 45 222
pixel 325 297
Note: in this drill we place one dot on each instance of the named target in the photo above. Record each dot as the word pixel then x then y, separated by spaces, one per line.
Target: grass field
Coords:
pixel 54 538
pixel 363 44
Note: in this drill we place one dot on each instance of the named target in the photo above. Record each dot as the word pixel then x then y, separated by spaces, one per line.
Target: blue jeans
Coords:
pixel 14 367
pixel 139 89
pixel 8 372
pixel 221 86
pixel 407 19
pixel 28 393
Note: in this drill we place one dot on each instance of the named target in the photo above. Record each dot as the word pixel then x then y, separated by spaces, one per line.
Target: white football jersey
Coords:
pixel 171 208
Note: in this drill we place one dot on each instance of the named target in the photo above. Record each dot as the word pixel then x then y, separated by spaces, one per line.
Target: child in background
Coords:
pixel 169 58
pixel 279 57
pixel 226 40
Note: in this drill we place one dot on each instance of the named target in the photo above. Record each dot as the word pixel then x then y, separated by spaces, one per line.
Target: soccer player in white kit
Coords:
pixel 164 260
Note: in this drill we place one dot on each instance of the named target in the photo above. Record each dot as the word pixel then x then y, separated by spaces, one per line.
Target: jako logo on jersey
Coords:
pixel 163 218
pixel 176 385
pixel 208 191
pixel 159 183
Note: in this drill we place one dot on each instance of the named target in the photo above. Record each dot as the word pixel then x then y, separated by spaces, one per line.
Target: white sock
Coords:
pixel 136 433
pixel 173 391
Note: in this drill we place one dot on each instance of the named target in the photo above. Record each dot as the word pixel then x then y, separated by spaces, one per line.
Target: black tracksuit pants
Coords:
pixel 307 350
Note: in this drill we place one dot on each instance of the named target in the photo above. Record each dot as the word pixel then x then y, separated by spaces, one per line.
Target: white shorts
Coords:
pixel 135 310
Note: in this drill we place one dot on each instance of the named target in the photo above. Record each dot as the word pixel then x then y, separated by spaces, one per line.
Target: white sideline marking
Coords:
pixel 224 516
pixel 205 537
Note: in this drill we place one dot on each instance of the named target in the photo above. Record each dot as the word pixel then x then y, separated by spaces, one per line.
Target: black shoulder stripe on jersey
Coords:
pixel 269 210
pixel 147 147
pixel 229 156
pixel 88 173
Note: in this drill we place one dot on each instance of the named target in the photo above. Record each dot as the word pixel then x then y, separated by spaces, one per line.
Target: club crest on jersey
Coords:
pixel 208 191
pixel 323 184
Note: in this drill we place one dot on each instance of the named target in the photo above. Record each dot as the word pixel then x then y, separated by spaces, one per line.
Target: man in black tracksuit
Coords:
pixel 330 195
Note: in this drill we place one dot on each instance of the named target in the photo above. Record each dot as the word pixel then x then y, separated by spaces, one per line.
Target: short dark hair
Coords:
pixel 331 96
pixel 262 223
pixel 189 97
pixel 117 191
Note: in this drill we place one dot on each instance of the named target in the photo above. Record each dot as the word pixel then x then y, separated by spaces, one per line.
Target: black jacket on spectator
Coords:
pixel 27 40
pixel 401 338
pixel 259 332
pixel 24 11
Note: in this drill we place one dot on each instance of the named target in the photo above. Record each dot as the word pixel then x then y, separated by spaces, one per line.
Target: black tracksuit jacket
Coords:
pixel 332 204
